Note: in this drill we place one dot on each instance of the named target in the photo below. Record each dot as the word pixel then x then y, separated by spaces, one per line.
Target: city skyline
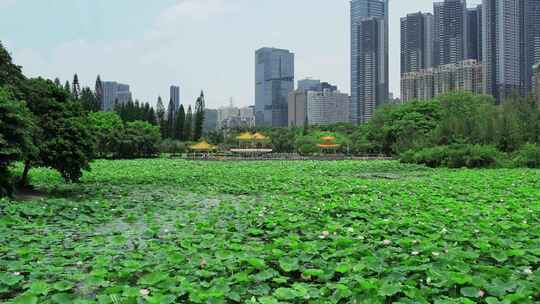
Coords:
pixel 90 40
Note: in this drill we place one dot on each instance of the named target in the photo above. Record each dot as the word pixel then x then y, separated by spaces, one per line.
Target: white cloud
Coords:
pixel 159 58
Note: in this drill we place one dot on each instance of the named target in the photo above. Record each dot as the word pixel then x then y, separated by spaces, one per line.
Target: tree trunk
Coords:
pixel 24 177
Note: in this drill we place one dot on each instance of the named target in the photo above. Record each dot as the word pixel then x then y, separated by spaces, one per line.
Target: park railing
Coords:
pixel 276 156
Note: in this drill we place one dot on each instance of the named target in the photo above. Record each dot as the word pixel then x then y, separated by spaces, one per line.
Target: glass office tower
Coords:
pixel 274 80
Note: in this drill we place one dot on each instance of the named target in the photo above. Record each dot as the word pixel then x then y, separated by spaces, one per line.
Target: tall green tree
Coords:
pixel 98 89
pixel 188 126
pixel 89 101
pixel 57 82
pixel 17 129
pixel 75 87
pixel 11 76
pixel 160 115
pixel 170 120
pixel 67 87
pixel 305 131
pixel 65 138
pixel 199 117
pixel 180 124
pixel 109 129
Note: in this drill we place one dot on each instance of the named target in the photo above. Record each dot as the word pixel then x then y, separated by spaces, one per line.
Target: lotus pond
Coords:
pixel 167 231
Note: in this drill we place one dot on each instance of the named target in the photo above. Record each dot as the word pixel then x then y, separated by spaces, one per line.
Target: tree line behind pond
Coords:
pixel 46 124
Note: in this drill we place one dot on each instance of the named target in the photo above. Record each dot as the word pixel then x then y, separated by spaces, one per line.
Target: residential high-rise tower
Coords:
pixel 416 42
pixel 504 52
pixel 450 31
pixel 369 57
pixel 175 97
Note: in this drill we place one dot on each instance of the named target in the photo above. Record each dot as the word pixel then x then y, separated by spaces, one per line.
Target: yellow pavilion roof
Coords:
pixel 245 136
pixel 259 136
pixel 203 146
pixel 328 138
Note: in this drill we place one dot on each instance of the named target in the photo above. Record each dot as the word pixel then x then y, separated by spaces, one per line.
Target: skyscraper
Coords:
pixel 369 57
pixel 175 97
pixel 450 31
pixel 504 55
pixel 416 42
pixel 474 28
pixel 274 80
pixel 531 24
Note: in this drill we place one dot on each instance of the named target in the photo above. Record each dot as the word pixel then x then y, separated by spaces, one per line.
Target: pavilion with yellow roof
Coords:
pixel 203 146
pixel 328 144
pixel 251 143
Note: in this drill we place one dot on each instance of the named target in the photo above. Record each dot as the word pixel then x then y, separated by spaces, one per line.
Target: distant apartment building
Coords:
pixel 298 100
pixel 274 80
pixel 511 46
pixel 416 42
pixel 536 81
pixel 231 116
pixel 327 107
pixel 210 119
pixel 369 57
pixel 114 93
pixel 298 107
pixel 309 84
pixel 474 30
pixel 450 32
pixel 427 84
pixel 175 97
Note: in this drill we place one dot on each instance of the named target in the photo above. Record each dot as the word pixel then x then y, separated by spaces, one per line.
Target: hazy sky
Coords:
pixel 198 44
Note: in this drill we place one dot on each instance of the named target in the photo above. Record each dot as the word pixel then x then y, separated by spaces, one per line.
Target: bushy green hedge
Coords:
pixel 528 156
pixel 172 146
pixel 139 140
pixel 455 156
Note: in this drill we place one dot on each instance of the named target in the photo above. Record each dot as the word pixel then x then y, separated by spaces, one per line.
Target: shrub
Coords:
pixel 306 145
pixel 108 126
pixel 139 140
pixel 172 146
pixel 528 156
pixel 455 156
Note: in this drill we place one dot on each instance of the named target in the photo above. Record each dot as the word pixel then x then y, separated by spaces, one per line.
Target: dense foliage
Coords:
pixel 528 156
pixel 165 231
pixel 11 76
pixel 139 139
pixel 455 156
pixel 65 139
pixel 52 117
pixel 16 131
pixel 136 111
pixel 109 128
pixel 454 130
